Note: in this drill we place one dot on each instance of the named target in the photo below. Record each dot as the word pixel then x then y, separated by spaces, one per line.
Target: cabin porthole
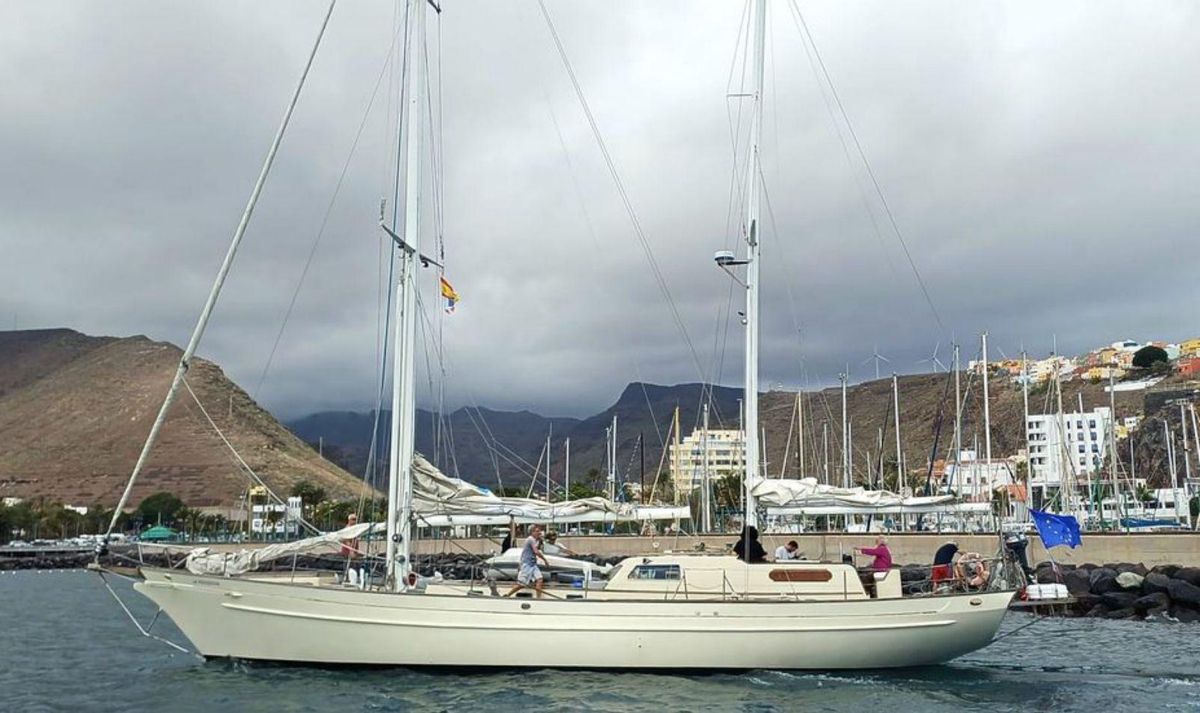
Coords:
pixel 525 605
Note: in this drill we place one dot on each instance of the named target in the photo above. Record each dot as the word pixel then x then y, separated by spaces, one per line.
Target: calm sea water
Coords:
pixel 65 646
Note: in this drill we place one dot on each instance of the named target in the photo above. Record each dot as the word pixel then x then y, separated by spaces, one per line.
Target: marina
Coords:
pixel 399 451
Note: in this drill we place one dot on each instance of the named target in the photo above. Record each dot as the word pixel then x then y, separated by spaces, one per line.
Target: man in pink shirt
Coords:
pixel 881 553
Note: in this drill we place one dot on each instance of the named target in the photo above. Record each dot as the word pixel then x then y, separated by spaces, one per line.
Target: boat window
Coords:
pixel 655 571
pixel 801 575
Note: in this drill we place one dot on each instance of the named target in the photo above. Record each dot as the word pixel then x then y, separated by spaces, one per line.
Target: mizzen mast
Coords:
pixel 752 236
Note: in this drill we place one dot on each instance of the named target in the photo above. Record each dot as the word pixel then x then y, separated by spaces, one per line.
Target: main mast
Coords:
pixel 758 34
pixel 411 149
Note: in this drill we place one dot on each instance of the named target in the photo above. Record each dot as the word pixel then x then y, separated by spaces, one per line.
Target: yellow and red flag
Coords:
pixel 449 294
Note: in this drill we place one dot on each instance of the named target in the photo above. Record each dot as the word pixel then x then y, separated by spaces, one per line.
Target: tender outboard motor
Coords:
pixel 1017 543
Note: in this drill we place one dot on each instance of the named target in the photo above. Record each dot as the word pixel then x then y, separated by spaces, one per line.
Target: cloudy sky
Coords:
pixel 1040 159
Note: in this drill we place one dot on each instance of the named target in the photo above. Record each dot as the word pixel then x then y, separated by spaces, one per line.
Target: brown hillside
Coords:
pixel 75 410
pixel 921 398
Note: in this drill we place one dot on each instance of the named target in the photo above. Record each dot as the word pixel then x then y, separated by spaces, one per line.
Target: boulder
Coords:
pixel 1124 567
pixel 1167 569
pixel 1141 569
pixel 1046 576
pixel 1130 580
pixel 914 573
pixel 1152 601
pixel 1185 614
pixel 1085 602
pixel 1155 582
pixel 1099 572
pixel 1184 593
pixel 1157 613
pixel 1128 613
pixel 1104 581
pixel 1119 600
pixel 1078 582
pixel 1097 612
pixel 1191 575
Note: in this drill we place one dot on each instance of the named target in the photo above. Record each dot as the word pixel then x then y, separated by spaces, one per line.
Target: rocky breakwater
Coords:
pixel 1128 591
pixel 74 560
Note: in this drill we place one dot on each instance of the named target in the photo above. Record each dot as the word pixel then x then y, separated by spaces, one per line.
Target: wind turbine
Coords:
pixel 877 357
pixel 933 359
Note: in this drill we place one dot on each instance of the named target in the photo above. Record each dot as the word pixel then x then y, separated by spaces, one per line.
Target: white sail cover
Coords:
pixel 202 560
pixel 438 501
pixel 807 495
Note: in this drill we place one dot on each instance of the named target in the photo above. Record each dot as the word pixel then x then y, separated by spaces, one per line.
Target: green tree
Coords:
pixel 579 491
pixel 17 521
pixel 332 514
pixel 311 495
pixel 728 491
pixel 1148 356
pixel 159 507
pixel 189 521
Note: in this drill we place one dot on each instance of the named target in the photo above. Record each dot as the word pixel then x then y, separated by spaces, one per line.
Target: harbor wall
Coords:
pixel 1151 549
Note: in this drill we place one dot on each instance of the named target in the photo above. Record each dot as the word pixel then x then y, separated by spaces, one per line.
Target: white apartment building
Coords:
pixel 974 478
pixel 726 456
pixel 1066 448
pixel 276 519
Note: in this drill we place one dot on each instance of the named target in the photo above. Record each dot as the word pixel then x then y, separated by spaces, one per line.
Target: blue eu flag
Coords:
pixel 1056 529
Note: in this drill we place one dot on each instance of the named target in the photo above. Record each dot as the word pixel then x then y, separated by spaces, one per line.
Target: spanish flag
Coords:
pixel 450 295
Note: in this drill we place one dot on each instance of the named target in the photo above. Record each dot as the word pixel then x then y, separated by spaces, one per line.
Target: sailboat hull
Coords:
pixel 247 619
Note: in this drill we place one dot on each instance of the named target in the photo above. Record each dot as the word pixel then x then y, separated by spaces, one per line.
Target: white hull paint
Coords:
pixel 248 619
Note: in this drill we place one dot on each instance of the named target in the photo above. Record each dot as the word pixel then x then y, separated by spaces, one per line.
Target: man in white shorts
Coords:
pixel 531 552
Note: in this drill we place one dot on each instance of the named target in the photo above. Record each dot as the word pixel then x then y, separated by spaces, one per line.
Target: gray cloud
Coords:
pixel 1040 160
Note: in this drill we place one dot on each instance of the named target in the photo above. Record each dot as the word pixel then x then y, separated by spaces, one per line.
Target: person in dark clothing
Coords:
pixel 943 562
pixel 748 548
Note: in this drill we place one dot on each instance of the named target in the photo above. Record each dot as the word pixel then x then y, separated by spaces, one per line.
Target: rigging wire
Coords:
pixel 626 201
pixel 370 476
pixel 312 251
pixel 803 26
pixel 241 461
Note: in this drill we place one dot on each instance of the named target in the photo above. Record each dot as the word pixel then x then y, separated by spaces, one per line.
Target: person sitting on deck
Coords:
pixel 529 574
pixel 551 546
pixel 748 548
pixel 881 553
pixel 943 563
pixel 790 551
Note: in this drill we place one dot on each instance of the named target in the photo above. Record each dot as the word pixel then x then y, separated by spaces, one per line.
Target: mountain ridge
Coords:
pixel 75 411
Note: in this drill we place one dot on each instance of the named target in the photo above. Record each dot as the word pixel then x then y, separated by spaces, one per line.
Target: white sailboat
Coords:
pixel 664 611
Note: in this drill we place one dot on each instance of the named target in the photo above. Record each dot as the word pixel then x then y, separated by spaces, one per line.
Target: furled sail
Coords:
pixel 438 501
pixel 807 496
